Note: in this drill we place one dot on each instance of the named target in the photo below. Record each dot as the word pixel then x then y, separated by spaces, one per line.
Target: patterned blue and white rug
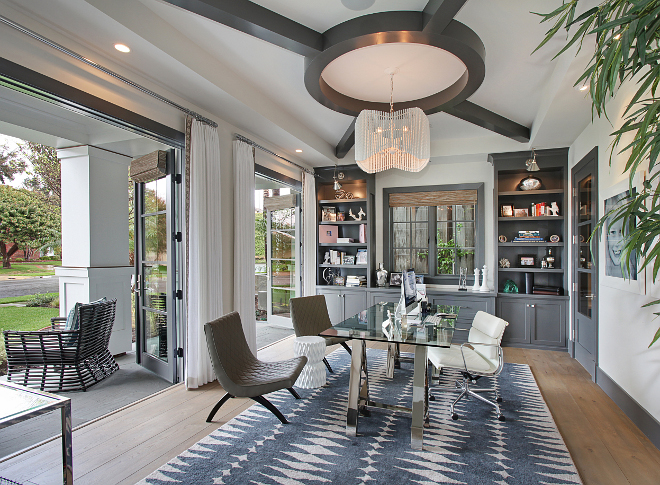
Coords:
pixel 254 448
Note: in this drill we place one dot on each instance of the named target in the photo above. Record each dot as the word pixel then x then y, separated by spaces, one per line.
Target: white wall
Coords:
pixel 625 329
pixel 457 170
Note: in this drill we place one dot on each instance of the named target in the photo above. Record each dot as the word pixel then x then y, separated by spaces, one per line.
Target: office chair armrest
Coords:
pixel 500 354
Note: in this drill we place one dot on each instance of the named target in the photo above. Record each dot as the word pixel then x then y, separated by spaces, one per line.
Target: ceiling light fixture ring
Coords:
pixel 456 39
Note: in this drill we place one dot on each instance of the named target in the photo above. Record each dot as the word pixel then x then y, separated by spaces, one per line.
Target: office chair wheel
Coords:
pixel 499 399
pixel 365 412
pixel 431 397
pixel 501 417
pixel 454 416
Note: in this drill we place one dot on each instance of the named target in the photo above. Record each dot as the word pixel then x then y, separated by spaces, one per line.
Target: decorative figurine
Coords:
pixel 550 259
pixel 342 194
pixel 327 258
pixel 381 275
pixel 329 276
pixel 502 238
pixel 510 287
pixel 361 214
pixel 462 279
pixel 554 238
pixel 475 286
pixel 484 279
pixel 553 210
pixel 505 263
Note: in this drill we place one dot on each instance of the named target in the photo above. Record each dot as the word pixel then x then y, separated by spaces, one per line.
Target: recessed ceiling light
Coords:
pixel 122 48
pixel 298 150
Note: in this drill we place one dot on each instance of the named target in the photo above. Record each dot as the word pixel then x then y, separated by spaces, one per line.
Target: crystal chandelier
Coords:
pixel 398 139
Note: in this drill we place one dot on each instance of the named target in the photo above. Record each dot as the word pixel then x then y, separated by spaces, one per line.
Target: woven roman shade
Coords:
pixel 280 202
pixel 439 197
pixel 149 167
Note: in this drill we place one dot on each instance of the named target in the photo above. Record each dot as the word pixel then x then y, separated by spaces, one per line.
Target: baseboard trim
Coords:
pixel 638 415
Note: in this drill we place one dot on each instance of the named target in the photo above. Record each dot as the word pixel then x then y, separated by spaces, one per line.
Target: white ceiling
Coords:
pixel 259 87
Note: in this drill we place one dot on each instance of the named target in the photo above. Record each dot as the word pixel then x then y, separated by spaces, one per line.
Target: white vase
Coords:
pixel 484 280
pixel 475 286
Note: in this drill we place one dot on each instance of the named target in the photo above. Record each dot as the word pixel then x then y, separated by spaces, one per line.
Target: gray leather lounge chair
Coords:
pixel 240 373
pixel 309 315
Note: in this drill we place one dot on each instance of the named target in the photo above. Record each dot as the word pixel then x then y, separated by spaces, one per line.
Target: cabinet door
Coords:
pixel 354 302
pixel 334 302
pixel 383 297
pixel 515 312
pixel 548 326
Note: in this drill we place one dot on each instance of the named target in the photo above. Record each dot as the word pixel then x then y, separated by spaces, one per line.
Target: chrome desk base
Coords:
pixel 358 390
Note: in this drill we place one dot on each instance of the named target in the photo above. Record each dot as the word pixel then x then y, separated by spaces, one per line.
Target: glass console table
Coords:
pixel 379 324
pixel 18 404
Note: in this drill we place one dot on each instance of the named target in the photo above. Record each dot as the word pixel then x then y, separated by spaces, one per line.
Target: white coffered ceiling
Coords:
pixel 259 87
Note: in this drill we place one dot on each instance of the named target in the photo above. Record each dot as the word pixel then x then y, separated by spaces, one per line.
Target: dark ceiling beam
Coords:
pixel 491 121
pixel 438 13
pixel 347 141
pixel 259 22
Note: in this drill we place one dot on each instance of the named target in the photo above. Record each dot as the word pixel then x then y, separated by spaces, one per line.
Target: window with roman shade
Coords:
pixel 434 230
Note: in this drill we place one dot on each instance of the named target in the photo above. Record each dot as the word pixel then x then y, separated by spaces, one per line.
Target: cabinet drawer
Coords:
pixel 383 296
pixel 469 307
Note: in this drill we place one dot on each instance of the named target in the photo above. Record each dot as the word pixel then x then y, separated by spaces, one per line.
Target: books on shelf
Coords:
pixel 528 236
pixel 344 240
pixel 355 280
pixel 547 290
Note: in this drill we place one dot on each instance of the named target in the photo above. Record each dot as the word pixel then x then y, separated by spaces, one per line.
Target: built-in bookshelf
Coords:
pixel 509 172
pixel 330 211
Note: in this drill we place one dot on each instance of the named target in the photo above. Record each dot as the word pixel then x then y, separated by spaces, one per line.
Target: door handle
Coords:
pixel 590 296
pixel 135 287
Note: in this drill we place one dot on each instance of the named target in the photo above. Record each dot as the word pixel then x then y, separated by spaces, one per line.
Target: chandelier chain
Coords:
pixel 391 93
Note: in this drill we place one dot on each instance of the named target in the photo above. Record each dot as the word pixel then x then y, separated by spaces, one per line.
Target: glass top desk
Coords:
pixel 378 323
pixel 18 404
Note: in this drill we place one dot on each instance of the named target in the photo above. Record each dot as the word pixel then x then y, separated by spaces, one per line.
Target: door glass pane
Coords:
pixel 281 299
pixel 155 196
pixel 584 199
pixel 155 237
pixel 584 232
pixel 155 286
pixel 155 329
pixel 584 298
pixel 283 273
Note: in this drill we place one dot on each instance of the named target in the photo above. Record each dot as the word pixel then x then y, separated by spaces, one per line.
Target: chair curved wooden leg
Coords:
pixel 224 399
pixel 327 364
pixel 293 392
pixel 268 405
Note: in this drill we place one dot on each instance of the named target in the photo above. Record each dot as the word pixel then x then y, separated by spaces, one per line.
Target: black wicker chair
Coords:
pixel 64 360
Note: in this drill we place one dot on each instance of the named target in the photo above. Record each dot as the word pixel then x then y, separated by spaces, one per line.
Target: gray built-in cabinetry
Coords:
pixel 535 321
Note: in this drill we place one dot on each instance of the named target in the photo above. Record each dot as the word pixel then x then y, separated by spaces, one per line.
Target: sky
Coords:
pixel 12 143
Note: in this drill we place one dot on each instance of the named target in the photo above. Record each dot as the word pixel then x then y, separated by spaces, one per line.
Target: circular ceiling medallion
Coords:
pixel 422 70
pixel 436 70
pixel 358 4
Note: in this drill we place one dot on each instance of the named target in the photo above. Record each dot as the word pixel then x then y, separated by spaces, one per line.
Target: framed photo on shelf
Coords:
pixel 341 216
pixel 339 281
pixel 419 279
pixel 395 279
pixel 329 214
pixel 361 256
pixel 507 210
pixel 520 212
pixel 349 259
pixel 526 260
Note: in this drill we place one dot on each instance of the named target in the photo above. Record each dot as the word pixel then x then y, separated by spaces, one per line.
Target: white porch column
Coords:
pixel 95 235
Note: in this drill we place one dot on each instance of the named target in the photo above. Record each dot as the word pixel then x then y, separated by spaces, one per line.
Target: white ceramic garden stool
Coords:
pixel 313 374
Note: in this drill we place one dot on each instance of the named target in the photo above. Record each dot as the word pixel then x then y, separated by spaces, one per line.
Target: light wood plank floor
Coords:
pixel 126 446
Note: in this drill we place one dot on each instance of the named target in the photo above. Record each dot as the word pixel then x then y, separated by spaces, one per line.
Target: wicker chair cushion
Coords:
pixel 72 321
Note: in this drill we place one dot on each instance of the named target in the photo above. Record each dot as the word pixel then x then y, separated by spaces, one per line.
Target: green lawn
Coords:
pixel 21 299
pixel 24 319
pixel 39 268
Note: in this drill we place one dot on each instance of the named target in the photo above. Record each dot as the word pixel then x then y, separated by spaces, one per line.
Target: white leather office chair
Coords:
pixel 481 356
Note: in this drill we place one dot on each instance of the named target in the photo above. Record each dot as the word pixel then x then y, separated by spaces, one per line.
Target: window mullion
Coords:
pixel 433 240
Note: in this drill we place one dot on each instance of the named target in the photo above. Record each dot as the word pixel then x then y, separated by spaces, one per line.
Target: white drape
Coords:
pixel 244 240
pixel 204 296
pixel 309 234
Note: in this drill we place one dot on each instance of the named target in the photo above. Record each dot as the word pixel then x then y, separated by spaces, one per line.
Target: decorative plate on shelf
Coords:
pixel 554 238
pixel 502 239
pixel 530 183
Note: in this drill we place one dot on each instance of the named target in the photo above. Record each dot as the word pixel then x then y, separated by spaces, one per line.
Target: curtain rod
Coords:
pixel 256 145
pixel 93 64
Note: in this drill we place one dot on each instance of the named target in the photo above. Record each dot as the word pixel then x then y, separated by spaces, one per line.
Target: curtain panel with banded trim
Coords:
pixel 434 198
pixel 204 222
pixel 309 234
pixel 244 240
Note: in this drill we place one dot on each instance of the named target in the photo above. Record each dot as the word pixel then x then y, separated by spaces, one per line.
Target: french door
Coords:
pixel 283 260
pixel 156 295
pixel 585 262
